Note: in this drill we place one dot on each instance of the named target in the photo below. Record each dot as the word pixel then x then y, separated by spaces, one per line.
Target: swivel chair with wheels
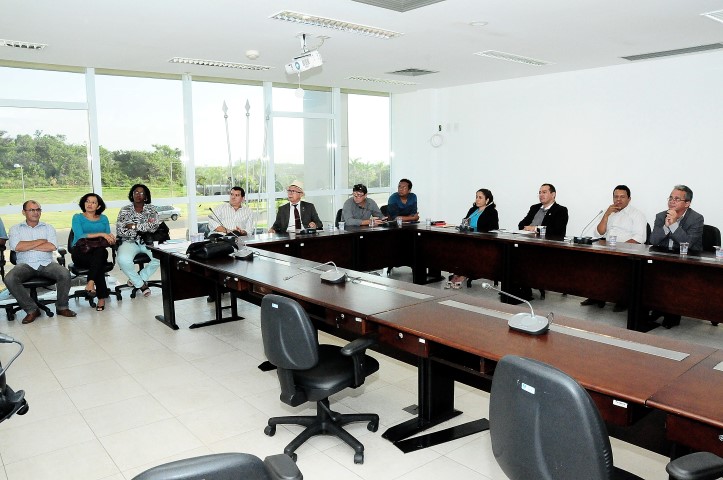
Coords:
pixel 544 425
pixel 225 466
pixel 78 271
pixel 140 259
pixel 309 372
pixel 32 284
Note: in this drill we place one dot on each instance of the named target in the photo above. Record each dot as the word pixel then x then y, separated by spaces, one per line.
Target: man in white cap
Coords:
pixel 296 214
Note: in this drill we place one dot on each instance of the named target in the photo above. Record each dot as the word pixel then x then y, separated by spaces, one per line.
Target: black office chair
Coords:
pixel 11 402
pixel 711 238
pixel 2 260
pixel 78 271
pixel 338 218
pixel 140 259
pixel 32 284
pixel 648 231
pixel 225 466
pixel 545 426
pixel 309 372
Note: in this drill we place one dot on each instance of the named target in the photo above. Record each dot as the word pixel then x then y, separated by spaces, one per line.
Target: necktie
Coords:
pixel 297 218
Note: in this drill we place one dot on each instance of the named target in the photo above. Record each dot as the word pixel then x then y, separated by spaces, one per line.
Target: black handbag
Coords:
pixel 160 235
pixel 209 249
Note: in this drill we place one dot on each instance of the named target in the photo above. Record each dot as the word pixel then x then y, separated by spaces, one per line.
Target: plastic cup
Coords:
pixel 399 222
pixel 428 222
pixel 718 252
pixel 372 222
pixel 542 230
pixel 341 225
pixel 684 248
pixel 612 240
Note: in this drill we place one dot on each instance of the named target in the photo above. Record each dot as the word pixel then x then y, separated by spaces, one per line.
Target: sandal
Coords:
pixel 130 283
pixel 100 307
pixel 456 285
pixel 146 290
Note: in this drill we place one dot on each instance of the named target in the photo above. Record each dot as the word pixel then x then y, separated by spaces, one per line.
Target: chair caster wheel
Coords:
pixel 11 317
pixel 359 458
pixel 270 430
pixel 373 426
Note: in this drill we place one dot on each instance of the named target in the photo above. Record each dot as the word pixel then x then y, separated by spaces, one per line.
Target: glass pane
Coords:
pixel 25 84
pixel 140 130
pixel 288 100
pixel 302 152
pixel 43 155
pixel 367 135
pixel 212 144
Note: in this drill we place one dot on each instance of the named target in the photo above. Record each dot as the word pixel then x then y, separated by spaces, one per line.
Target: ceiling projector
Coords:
pixel 305 61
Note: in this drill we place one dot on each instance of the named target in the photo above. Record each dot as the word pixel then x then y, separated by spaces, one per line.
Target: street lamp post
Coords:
pixel 22 176
pixel 228 145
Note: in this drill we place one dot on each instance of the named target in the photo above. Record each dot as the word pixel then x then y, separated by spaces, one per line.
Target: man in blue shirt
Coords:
pixel 34 243
pixel 403 203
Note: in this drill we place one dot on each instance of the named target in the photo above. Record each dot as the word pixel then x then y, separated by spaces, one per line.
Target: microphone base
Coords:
pixel 243 254
pixel 528 323
pixel 584 240
pixel 333 276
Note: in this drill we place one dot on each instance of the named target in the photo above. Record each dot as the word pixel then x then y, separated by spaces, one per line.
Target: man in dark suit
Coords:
pixel 678 224
pixel 296 214
pixel 547 213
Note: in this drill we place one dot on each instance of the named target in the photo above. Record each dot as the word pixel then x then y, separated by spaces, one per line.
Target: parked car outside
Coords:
pixel 168 212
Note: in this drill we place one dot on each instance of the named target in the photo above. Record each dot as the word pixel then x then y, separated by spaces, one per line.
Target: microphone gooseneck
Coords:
pixel 590 223
pixel 218 219
pixel 487 286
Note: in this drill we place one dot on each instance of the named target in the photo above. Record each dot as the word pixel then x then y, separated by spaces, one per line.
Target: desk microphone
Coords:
pixel 333 276
pixel 525 322
pixel 586 240
pixel 228 230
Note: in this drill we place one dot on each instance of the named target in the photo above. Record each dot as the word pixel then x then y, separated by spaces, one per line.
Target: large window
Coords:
pixel 140 131
pixel 366 149
pixel 43 136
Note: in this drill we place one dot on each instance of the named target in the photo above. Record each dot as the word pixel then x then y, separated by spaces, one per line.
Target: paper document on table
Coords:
pixel 174 246
pixel 522 232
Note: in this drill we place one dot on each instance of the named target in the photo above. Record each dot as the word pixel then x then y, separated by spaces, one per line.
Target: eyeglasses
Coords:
pixel 293 191
pixel 676 199
pixel 139 193
pixel 358 194
pixel 34 210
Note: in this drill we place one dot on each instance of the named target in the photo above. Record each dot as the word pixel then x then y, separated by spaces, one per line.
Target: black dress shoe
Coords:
pixel 670 321
pixel 592 301
pixel 620 307
pixel 66 312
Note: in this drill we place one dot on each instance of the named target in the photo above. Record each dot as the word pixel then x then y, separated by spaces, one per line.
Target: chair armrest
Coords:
pixel 359 345
pixel 62 252
pixel 696 466
pixel 282 467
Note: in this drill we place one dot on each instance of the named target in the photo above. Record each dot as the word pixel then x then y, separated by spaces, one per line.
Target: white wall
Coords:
pixel 649 125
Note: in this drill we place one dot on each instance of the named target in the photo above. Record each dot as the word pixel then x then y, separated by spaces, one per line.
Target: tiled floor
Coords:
pixel 113 393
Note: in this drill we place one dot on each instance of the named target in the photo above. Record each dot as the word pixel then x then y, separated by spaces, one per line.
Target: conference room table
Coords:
pixel 625 273
pixel 452 336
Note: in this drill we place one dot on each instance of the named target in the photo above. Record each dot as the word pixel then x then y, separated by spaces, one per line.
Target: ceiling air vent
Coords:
pixel 412 72
pixel 22 45
pixel 511 57
pixel 679 51
pixel 399 5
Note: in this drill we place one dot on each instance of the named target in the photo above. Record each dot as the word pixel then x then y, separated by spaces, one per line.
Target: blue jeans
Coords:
pixel 126 253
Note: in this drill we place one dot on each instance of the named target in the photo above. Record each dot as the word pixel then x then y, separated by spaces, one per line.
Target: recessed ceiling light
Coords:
pixel 22 45
pixel 510 57
pixel 341 25
pixel 478 24
pixel 218 63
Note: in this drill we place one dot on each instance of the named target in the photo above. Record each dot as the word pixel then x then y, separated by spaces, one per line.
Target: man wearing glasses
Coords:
pixel 295 215
pixel 358 209
pixel 237 218
pixel 676 225
pixel 34 243
pixel 679 223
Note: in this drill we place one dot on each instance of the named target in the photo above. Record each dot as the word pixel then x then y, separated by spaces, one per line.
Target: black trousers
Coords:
pixel 95 261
